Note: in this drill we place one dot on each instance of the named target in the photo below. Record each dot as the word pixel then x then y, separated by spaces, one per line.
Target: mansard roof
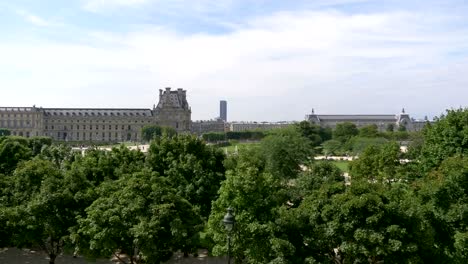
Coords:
pixel 172 99
pixel 357 117
pixel 18 109
pixel 134 112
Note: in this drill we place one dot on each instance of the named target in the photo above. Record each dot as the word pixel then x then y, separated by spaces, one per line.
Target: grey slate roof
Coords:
pixel 81 112
pixel 357 117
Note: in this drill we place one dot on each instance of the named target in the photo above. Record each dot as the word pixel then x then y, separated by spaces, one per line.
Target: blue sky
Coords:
pixel 271 60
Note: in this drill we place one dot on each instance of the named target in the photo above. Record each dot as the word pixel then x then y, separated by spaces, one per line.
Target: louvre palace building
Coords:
pixel 98 124
pixel 381 121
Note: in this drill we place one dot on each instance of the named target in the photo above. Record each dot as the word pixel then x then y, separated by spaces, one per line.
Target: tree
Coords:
pixel 332 147
pixel 310 131
pixel 285 150
pixel 138 215
pixel 4 132
pixel 370 131
pixel 445 193
pixel 37 143
pixel 254 195
pixel 344 131
pixel 390 128
pixel 41 210
pixel 319 173
pixel 378 163
pixel 367 165
pixel 12 151
pixel 193 168
pixel 28 177
pixel 150 132
pixel 61 155
pixel 447 137
pixel 362 223
pixel 98 165
pixel 214 136
pixel 359 144
pixel 380 224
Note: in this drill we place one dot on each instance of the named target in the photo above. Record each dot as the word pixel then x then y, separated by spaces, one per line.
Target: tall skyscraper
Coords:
pixel 223 110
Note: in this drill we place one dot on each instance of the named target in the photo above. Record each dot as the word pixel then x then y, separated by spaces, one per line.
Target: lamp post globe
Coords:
pixel 229 221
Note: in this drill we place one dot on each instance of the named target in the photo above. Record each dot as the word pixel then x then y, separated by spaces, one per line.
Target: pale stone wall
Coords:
pixel 22 121
pixel 247 126
pixel 173 110
pixel 204 126
pixel 381 121
pixel 98 125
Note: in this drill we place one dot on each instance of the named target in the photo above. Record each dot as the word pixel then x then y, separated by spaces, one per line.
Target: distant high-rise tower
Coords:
pixel 223 110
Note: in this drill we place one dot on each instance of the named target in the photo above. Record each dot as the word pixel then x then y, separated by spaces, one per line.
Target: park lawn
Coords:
pixel 343 165
pixel 240 146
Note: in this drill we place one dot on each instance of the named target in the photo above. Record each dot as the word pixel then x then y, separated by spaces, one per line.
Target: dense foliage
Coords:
pixel 150 132
pixel 233 135
pixel 289 208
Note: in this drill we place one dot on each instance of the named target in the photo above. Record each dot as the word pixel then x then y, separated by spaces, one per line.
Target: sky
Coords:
pixel 272 60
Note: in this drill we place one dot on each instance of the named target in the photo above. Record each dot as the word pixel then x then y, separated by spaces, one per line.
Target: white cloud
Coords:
pixel 96 5
pixel 275 67
pixel 33 19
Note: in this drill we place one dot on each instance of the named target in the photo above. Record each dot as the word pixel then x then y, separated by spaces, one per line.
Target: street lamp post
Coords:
pixel 229 221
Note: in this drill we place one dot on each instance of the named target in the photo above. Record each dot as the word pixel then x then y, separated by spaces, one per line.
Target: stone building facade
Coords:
pixel 98 124
pixel 200 127
pixel 381 121
pixel 249 126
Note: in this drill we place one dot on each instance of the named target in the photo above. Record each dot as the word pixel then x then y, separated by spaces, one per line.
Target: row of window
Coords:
pixel 15 115
pixel 90 127
pixel 96 114
pixel 24 134
pixel 91 121
pixel 15 123
pixel 94 136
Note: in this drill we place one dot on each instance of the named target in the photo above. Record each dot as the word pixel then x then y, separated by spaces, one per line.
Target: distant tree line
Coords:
pixel 348 139
pixel 233 135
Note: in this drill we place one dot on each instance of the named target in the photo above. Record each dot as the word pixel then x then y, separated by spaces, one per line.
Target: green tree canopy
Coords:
pixel 141 216
pixel 315 133
pixel 285 150
pixel 4 132
pixel 193 168
pixel 150 132
pixel 370 131
pixel 445 193
pixel 344 131
pixel 378 163
pixel 254 195
pixel 446 137
pixel 12 151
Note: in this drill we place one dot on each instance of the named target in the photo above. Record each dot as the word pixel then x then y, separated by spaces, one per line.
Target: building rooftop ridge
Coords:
pixel 65 108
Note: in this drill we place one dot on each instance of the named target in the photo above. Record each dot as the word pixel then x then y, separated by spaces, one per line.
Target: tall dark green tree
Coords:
pixel 12 151
pixel 314 133
pixel 193 168
pixel 370 131
pixel 445 194
pixel 150 132
pixel 254 195
pixel 285 150
pixel 140 216
pixel 41 210
pixel 4 132
pixel 344 131
pixel 447 137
